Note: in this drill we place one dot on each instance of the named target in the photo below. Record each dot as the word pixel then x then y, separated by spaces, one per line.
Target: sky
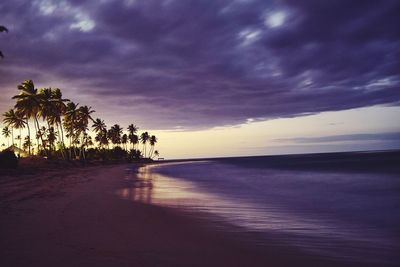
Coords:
pixel 216 77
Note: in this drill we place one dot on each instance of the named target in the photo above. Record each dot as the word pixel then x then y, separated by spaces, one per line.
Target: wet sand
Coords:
pixel 75 218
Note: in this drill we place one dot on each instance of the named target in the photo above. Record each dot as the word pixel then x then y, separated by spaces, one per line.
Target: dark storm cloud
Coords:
pixel 205 63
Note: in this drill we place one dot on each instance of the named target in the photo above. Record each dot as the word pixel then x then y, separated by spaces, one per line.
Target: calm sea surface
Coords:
pixel 346 214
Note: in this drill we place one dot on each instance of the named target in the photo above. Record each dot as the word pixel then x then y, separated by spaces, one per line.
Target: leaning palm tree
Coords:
pixel 153 140
pixel 144 137
pixel 29 104
pixel 6 133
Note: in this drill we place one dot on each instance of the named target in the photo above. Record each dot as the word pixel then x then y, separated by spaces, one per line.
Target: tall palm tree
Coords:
pixel 152 140
pixel 133 138
pixel 6 133
pixel 71 117
pixel 82 124
pixel 100 129
pixel 144 137
pixel 29 104
pixel 59 108
pixel 52 109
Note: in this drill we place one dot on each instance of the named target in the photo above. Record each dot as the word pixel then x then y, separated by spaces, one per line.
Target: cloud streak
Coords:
pixel 197 64
pixel 391 136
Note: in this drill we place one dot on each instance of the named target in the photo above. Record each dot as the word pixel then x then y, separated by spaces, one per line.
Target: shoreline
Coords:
pixel 75 218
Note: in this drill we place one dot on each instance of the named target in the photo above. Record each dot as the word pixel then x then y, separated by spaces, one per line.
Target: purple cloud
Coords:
pixel 195 64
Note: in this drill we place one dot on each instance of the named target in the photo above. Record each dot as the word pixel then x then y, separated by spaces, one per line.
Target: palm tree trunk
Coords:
pixel 151 151
pixel 62 136
pixel 20 137
pixel 41 136
pixel 60 140
pixel 29 136
pixel 50 144
pixel 36 135
pixel 12 136
pixel 70 147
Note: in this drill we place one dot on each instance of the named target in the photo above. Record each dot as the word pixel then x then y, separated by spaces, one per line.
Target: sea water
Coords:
pixel 349 215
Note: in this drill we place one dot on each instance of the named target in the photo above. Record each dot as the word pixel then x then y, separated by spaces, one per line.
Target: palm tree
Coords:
pixel 101 132
pixel 115 134
pixel 144 137
pixel 19 139
pixel 27 143
pixel 14 120
pixel 52 108
pixel 153 140
pixel 59 110
pixel 70 118
pixel 98 125
pixel 132 128
pixel 29 104
pixel 133 138
pixel 124 140
pixel 51 138
pixel 156 153
pixel 81 125
pixel 84 115
pixel 6 133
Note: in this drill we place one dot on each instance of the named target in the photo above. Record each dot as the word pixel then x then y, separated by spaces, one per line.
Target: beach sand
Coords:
pixel 73 217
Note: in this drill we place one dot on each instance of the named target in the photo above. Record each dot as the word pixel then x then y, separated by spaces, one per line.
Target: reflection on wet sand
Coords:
pixel 150 187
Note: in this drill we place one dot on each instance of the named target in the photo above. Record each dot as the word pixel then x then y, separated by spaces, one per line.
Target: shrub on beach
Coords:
pixel 8 160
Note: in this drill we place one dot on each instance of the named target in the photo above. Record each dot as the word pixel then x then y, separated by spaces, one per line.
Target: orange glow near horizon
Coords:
pixel 262 138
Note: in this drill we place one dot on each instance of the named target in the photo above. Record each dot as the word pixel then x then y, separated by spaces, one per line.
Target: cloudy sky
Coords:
pixel 242 69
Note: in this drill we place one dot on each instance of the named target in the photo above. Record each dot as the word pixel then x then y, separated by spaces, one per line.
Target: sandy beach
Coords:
pixel 73 217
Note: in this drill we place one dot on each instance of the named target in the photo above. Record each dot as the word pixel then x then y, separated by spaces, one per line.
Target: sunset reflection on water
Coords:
pixel 150 187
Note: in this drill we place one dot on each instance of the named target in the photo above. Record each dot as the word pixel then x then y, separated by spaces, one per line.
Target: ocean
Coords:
pixel 343 206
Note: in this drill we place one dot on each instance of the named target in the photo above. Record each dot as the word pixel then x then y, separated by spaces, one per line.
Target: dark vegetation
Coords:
pixel 59 130
pixel 8 160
